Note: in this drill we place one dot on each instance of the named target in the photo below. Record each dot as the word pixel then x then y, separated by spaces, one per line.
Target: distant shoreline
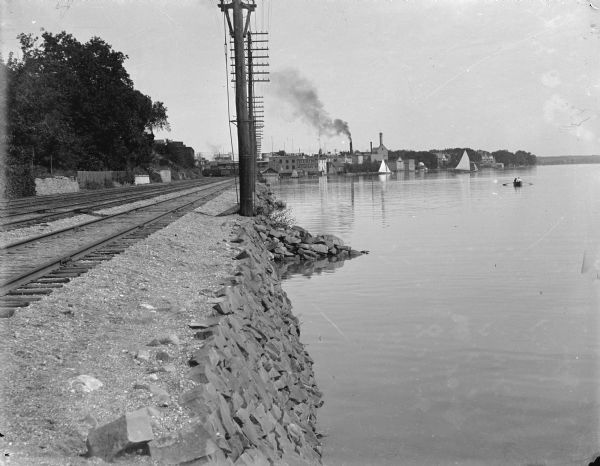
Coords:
pixel 568 159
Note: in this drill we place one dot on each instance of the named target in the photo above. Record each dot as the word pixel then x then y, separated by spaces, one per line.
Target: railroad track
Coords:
pixel 35 266
pixel 31 210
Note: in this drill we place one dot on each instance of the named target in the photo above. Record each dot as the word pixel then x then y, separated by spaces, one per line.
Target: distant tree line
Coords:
pixel 72 105
pixel 430 159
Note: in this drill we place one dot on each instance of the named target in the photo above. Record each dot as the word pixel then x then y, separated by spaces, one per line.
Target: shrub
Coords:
pixel 16 175
pixel 124 177
pixel 18 181
pixel 154 176
pixel 281 219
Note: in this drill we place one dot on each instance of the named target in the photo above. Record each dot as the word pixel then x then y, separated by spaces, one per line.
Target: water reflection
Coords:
pixel 469 334
pixel 308 268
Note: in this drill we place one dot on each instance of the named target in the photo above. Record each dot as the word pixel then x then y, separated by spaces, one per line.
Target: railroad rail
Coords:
pixel 26 211
pixel 35 266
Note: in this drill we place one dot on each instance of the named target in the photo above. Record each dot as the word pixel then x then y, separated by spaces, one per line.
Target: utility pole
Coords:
pixel 246 160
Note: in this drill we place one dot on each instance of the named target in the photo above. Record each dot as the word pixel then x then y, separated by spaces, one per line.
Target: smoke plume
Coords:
pixel 289 86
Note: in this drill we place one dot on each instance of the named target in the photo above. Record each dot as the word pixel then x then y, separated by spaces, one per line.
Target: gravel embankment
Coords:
pixel 100 325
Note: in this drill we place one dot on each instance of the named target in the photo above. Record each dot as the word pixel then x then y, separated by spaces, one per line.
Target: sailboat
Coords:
pixel 383 168
pixel 464 165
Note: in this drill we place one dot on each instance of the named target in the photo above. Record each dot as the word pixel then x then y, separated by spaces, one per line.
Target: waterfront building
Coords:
pixel 442 159
pixel 221 165
pixel 395 165
pixel 342 157
pixel 379 153
pixel 409 165
pixel 262 165
pixel 336 168
pixel 269 175
pixel 487 159
pixel 358 158
pixel 302 164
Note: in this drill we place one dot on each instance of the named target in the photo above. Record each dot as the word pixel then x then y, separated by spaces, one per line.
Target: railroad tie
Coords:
pixel 41 285
pixel 18 301
pixel 29 292
pixel 47 280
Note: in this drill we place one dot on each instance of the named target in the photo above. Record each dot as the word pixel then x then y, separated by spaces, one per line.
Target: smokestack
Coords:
pixel 351 147
pixel 380 139
pixel 371 146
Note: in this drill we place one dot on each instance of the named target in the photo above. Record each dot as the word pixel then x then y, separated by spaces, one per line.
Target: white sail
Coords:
pixel 465 163
pixel 383 168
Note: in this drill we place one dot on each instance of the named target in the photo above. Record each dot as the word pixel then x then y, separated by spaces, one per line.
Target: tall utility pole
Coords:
pixel 246 160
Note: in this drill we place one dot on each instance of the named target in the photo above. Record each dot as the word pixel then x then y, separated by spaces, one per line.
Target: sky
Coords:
pixel 428 74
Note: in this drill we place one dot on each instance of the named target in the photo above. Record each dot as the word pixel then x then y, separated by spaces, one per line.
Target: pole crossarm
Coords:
pixel 225 7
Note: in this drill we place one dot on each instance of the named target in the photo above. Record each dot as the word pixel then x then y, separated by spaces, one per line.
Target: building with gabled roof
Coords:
pixel 381 152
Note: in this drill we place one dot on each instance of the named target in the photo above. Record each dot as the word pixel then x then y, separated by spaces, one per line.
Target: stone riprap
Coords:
pixel 256 393
pixel 295 243
pixel 254 398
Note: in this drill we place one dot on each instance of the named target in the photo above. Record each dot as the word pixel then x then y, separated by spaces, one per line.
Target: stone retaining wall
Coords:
pixel 55 185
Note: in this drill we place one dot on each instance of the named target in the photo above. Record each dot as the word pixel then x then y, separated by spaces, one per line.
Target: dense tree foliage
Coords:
pixel 72 105
pixel 509 159
pixel 457 152
pixel 366 167
pixel 430 159
pixel 426 157
pixel 173 153
pixel 519 158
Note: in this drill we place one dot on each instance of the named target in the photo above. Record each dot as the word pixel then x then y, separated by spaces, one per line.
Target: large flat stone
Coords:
pixel 319 248
pixel 197 374
pixel 129 431
pixel 204 323
pixel 334 239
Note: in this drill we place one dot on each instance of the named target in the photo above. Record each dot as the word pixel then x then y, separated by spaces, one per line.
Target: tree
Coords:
pixel 72 105
pixel 525 158
pixel 504 156
pixel 427 157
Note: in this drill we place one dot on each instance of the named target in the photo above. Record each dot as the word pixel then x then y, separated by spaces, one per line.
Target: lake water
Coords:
pixel 469 335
